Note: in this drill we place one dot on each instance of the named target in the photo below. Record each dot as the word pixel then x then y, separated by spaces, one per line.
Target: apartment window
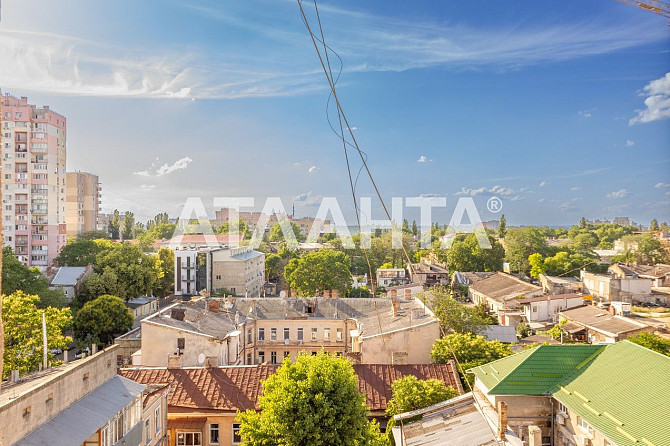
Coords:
pixel 299 334
pixel 249 336
pixel 189 438
pixel 534 309
pixel 287 354
pixel 147 430
pixel 287 334
pixel 157 420
pixel 236 433
pixel 314 353
pixel 326 334
pixel 214 433
pixel 261 334
pixel 273 334
pixel 218 277
pixel 181 343
pixel 273 357
pixel 562 408
pixel 338 335
pixel 261 357
pixel 584 426
pixel 314 333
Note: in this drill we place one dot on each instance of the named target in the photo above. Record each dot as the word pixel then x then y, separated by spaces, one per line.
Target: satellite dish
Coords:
pixel 201 358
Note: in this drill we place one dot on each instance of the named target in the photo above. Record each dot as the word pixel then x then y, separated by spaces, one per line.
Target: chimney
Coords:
pixel 211 362
pixel 502 419
pixel 534 436
pixel 396 307
pixel 178 314
pixel 213 306
pixel 393 294
pixel 408 293
pixel 174 362
pixel 336 293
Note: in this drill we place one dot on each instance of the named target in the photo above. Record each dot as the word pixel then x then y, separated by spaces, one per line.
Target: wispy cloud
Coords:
pixel 423 159
pixel 630 143
pixel 621 193
pixel 575 188
pixel 657 101
pixel 544 183
pixel 661 185
pixel 585 113
pixel 495 190
pixel 313 169
pixel 302 197
pixel 165 169
pixel 570 205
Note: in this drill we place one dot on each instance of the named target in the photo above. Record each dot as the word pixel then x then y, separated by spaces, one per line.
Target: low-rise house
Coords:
pixel 459 421
pixel 430 272
pixel 387 277
pixel 406 291
pixel 359 281
pixel 142 306
pixel 461 281
pixel 68 279
pixel 546 308
pixel 79 403
pixel 500 293
pixel 616 287
pixel 658 274
pixel 595 325
pixel 204 402
pixel 503 333
pixel 254 331
pixel 560 285
pixel 582 394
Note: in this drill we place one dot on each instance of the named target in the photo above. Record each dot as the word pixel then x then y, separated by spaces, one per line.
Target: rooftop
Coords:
pixel 202 240
pixel 68 275
pixel 504 287
pixel 238 388
pixel 556 280
pixel 139 301
pixel 601 320
pixel 550 297
pixel 468 278
pixel 502 333
pixel 656 271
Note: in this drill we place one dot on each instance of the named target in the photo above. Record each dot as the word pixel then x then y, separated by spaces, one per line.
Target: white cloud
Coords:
pixel 662 185
pixel 621 193
pixel 423 159
pixel 585 113
pixel 471 192
pixel 495 190
pixel 313 169
pixel 542 200
pixel 630 143
pixel 166 168
pixel 517 198
pixel 544 183
pixel 657 101
pixel 302 197
pixel 569 205
pixel 575 189
pixel 148 186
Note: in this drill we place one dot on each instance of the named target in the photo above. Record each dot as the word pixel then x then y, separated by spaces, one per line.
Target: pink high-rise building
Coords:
pixel 33 181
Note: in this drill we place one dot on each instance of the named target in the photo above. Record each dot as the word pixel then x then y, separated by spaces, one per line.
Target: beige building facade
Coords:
pixel 82 203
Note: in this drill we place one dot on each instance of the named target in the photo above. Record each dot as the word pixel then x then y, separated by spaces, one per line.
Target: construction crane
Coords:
pixel 656 6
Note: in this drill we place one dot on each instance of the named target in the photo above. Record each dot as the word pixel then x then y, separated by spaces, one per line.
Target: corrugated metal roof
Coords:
pixel 502 333
pixel 624 393
pixel 84 417
pixel 538 371
pixel 68 275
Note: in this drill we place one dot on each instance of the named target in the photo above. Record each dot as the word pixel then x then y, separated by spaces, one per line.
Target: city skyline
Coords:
pixel 559 110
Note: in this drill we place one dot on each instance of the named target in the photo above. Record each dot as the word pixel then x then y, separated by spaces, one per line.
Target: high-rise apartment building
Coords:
pixel 33 181
pixel 82 203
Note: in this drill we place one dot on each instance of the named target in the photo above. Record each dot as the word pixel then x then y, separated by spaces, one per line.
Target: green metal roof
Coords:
pixel 535 371
pixel 624 393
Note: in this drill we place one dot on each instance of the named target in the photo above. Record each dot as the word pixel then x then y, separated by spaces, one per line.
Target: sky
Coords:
pixel 559 109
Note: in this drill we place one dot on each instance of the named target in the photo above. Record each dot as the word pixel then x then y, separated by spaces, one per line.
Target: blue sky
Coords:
pixel 561 109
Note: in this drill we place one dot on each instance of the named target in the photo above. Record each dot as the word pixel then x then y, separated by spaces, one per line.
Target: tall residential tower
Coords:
pixel 33 182
pixel 82 203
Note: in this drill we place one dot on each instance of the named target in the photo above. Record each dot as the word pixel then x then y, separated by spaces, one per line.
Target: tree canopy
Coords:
pixel 23 332
pixel 18 277
pixel 277 235
pixel 314 401
pixel 136 272
pixel 314 272
pixel 465 254
pixel 455 317
pixel 79 252
pixel 102 319
pixel 652 342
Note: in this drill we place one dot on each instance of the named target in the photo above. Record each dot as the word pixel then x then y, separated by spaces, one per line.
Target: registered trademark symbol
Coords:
pixel 494 204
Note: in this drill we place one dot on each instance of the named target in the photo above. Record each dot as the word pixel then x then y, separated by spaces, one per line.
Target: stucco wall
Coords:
pixel 416 342
pixel 159 342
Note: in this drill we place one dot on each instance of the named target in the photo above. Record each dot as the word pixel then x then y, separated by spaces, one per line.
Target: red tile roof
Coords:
pixel 238 388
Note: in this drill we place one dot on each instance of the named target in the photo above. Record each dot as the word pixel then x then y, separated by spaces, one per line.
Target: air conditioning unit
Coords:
pixel 560 419
pixel 584 440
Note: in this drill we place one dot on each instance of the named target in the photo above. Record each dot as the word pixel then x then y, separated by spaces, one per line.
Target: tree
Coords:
pixel 128 226
pixel 455 317
pixel 314 401
pixel 523 330
pixel 115 226
pixel 520 243
pixel 18 277
pixel 465 254
pixel 410 393
pixel 652 342
pixel 582 222
pixel 136 272
pixel 317 271
pixel 471 351
pixel 415 229
pixel 93 235
pixel 277 235
pixel 654 225
pixel 78 252
pixel 536 265
pixel 502 227
pixel 359 292
pixel 97 285
pixel 102 318
pixel 235 227
pixel 165 284
pixel 23 332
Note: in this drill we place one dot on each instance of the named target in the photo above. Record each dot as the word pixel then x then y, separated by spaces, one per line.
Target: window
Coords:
pixel 248 358
pixel 584 426
pixel 214 433
pixel 299 334
pixel 314 332
pixel 326 334
pixel 189 438
pixel 287 354
pixel 314 353
pixel 273 357
pixel 287 334
pixel 157 420
pixel 534 309
pixel 147 431
pixel 261 334
pixel 261 357
pixel 273 334
pixel 562 408
pixel 338 335
pixel 236 433
pixel 249 336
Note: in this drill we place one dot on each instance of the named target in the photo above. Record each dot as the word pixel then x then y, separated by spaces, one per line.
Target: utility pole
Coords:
pixel 44 342
pixel 2 332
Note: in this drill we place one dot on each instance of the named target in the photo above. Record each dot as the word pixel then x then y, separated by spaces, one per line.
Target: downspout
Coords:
pixel 553 420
